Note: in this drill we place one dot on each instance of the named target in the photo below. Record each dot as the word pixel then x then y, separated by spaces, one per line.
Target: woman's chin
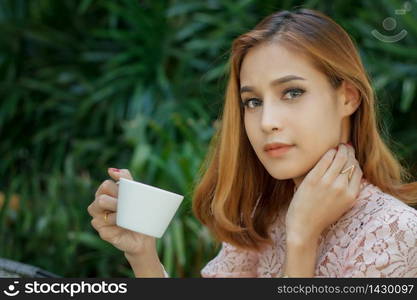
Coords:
pixel 284 175
pixel 281 176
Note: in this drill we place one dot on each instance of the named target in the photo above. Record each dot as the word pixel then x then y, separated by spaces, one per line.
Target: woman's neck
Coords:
pixel 297 181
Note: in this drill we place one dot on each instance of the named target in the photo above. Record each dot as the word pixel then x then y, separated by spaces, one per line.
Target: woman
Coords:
pixel 274 192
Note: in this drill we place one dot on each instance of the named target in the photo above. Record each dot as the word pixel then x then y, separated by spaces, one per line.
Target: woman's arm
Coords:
pixel 147 265
pixel 323 196
pixel 301 255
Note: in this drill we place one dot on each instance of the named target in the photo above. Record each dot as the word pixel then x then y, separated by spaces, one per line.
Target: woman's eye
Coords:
pixel 290 93
pixel 248 102
pixel 293 93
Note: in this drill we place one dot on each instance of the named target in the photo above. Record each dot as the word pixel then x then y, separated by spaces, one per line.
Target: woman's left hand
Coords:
pixel 324 195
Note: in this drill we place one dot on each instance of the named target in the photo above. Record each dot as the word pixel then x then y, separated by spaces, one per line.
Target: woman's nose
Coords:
pixel 270 120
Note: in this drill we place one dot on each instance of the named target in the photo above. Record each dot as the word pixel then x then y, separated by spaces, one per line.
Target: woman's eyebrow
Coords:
pixel 281 80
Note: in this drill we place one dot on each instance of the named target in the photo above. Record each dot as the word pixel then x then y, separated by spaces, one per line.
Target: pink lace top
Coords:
pixel 376 238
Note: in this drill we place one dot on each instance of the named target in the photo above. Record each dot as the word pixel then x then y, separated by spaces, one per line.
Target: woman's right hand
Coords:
pixel 325 194
pixel 132 243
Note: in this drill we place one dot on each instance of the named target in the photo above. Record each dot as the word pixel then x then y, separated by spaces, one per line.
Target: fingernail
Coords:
pixel 114 170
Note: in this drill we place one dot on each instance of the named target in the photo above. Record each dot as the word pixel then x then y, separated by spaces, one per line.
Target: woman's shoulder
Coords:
pixel 377 217
pixel 376 206
pixel 374 198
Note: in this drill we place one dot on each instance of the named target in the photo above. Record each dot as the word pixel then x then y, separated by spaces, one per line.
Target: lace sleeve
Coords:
pixel 386 247
pixel 231 262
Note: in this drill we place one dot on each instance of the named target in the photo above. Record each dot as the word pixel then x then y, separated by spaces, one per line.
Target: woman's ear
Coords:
pixel 350 98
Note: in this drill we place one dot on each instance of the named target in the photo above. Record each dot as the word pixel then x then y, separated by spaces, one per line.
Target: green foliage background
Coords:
pixel 87 85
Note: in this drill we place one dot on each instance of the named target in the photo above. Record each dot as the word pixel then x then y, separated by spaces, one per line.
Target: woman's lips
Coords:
pixel 278 151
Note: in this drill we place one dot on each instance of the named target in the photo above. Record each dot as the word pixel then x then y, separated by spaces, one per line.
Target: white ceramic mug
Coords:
pixel 144 208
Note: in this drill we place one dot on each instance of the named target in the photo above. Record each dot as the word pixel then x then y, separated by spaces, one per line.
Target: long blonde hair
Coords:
pixel 232 177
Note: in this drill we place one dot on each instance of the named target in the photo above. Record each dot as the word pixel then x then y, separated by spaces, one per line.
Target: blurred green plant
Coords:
pixel 87 85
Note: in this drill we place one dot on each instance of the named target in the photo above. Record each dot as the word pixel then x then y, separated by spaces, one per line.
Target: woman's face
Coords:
pixel 287 93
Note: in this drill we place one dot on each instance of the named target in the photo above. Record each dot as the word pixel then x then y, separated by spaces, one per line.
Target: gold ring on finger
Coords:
pixel 106 216
pixel 351 169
